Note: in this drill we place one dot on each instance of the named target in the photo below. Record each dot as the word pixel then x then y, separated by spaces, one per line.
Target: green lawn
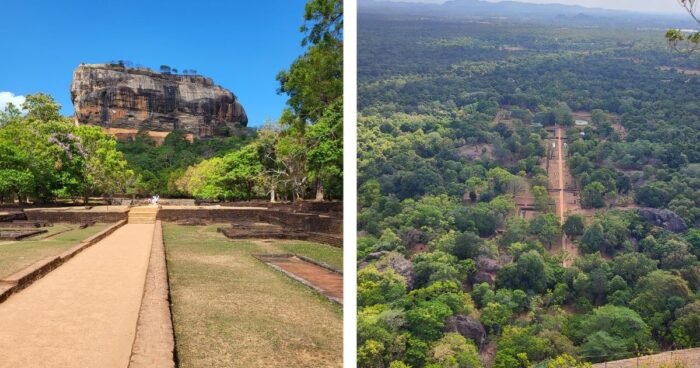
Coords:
pixel 231 310
pixel 14 255
pixel 325 253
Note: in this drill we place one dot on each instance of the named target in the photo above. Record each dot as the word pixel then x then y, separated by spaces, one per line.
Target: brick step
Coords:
pixel 142 222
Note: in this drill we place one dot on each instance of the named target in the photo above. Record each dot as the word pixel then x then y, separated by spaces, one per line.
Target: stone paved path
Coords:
pixel 84 313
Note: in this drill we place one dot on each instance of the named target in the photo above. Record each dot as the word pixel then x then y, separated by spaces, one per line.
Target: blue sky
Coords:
pixel 242 45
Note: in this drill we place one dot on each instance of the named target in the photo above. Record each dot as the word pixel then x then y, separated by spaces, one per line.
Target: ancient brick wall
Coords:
pixel 298 221
pixel 75 217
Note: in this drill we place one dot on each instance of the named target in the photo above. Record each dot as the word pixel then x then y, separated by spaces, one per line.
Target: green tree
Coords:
pixel 567 361
pixel 466 245
pixel 528 273
pixel 435 266
pixel 632 266
pixel 547 228
pixel 104 170
pixel 684 41
pixel 686 328
pixel 243 172
pixel 427 320
pixel 374 287
pixel 543 202
pixel 574 226
pixel 658 295
pixel 614 333
pixel 495 316
pixel 562 114
pixel 454 351
pixel 593 195
pixel 599 116
pixel 325 148
pixel 519 346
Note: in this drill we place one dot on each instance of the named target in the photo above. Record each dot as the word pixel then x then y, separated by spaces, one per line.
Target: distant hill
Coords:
pixel 514 10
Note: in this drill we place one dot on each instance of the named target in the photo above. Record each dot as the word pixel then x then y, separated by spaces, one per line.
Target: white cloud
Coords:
pixel 9 97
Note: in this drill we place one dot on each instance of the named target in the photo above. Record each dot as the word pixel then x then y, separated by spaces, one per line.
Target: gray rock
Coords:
pixel 663 218
pixel 487 264
pixel 468 327
pixel 375 255
pixel 113 96
pixel 400 265
pixel 482 277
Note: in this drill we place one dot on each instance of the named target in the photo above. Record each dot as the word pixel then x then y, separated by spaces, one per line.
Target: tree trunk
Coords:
pixel 319 190
pixel 272 194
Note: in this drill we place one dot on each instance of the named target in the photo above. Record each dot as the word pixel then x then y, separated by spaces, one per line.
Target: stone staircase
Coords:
pixel 143 215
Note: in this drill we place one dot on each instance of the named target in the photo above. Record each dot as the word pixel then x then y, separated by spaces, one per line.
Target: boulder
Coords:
pixel 120 98
pixel 487 264
pixel 468 327
pixel 400 265
pixel 663 218
pixel 482 277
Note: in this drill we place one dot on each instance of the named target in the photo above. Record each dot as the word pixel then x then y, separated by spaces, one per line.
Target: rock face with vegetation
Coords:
pixel 115 96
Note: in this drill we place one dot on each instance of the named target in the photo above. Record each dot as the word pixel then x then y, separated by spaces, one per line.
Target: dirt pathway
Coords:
pixel 559 180
pixel 84 313
pixel 691 358
pixel 562 201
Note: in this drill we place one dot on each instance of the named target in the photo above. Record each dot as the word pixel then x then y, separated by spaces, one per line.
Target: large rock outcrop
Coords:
pixel 114 96
pixel 664 218
pixel 468 327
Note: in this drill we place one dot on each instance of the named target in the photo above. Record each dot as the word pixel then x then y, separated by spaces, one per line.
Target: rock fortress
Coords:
pixel 126 100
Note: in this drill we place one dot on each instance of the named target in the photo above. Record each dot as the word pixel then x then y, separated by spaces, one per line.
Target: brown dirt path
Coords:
pixel 690 357
pixel 565 203
pixel 84 313
pixel 328 281
pixel 562 202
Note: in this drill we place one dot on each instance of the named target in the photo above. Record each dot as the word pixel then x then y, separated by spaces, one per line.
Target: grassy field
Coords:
pixel 325 253
pixel 15 255
pixel 230 310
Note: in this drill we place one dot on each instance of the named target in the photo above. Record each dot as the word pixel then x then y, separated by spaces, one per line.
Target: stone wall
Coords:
pixel 76 217
pixel 12 216
pixel 332 207
pixel 299 221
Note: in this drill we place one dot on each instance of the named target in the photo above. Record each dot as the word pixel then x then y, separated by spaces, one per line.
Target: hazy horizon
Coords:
pixel 646 6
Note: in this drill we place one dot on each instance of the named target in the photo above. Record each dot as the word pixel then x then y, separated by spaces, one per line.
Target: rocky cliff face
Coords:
pixel 113 96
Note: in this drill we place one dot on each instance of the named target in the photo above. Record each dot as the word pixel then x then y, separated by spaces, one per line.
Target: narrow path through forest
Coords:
pixel 84 313
pixel 559 181
pixel 559 135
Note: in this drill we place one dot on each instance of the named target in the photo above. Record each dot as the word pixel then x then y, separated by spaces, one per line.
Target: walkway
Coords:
pixel 84 313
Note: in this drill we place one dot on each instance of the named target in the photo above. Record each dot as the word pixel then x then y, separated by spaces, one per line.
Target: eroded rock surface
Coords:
pixel 113 96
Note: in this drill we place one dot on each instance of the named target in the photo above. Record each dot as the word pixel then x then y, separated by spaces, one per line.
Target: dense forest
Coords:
pixel 44 156
pixel 451 271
